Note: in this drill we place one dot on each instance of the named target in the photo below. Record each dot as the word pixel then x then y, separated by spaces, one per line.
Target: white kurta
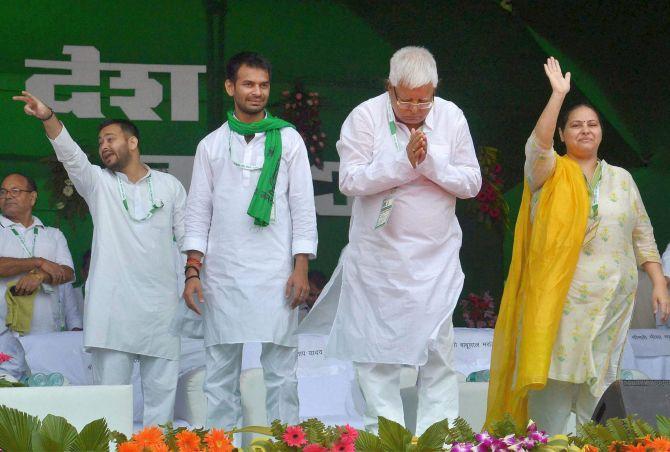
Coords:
pixel 131 291
pixel 400 282
pixel 245 266
pixel 50 244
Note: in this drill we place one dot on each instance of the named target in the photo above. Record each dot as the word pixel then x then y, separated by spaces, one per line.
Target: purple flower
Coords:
pixel 510 440
pixel 540 437
pixel 498 444
pixel 528 443
pixel 484 438
pixel 532 426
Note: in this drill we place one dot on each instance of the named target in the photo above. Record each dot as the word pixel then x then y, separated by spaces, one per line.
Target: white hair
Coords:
pixel 413 67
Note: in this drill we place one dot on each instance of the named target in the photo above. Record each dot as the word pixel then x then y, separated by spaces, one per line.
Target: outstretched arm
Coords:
pixel 83 174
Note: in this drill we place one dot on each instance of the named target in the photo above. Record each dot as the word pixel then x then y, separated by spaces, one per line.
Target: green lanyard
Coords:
pixel 593 188
pixel 154 206
pixel 393 128
pixel 23 241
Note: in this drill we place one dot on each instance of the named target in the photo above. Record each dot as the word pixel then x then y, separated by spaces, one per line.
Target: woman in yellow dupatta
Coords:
pixel 581 233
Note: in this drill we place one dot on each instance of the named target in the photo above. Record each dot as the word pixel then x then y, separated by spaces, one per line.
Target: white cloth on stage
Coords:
pixel 222 384
pixel 550 407
pixel 49 244
pixel 158 376
pixel 131 291
pixel 70 299
pixel 400 282
pixel 245 266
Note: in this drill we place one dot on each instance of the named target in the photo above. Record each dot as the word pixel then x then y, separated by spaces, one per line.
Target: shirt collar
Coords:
pixel 235 116
pixel 124 178
pixel 6 222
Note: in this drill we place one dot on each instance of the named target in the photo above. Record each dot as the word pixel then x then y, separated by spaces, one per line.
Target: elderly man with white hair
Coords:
pixel 405 156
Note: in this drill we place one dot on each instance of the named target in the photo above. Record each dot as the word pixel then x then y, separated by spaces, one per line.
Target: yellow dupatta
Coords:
pixel 544 259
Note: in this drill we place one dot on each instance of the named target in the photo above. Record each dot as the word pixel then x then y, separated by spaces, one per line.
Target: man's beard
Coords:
pixel 120 164
pixel 251 110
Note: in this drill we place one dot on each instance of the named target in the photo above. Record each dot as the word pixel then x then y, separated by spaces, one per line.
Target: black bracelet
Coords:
pixel 192 276
pixel 48 117
pixel 193 267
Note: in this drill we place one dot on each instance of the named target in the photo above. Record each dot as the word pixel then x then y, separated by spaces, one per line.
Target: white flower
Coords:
pixel 60 205
pixel 68 182
pixel 68 190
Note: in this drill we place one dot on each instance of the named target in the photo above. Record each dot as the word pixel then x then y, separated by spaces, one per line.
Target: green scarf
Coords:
pixel 261 203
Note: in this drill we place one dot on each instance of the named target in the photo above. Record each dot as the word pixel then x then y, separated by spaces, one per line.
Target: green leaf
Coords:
pixel 394 437
pixel 461 432
pixel 16 429
pixel 254 429
pixel 433 438
pixel 118 437
pixel 663 425
pixel 95 436
pixel 55 434
pixel 264 445
pixel 505 426
pixel 367 442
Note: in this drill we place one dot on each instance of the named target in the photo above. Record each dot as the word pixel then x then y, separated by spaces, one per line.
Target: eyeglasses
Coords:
pixel 14 192
pixel 409 105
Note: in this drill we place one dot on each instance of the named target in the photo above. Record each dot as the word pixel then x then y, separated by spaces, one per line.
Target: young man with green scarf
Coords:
pixel 250 230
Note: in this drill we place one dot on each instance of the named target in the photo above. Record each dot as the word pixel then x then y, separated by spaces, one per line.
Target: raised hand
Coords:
pixel 560 84
pixel 33 106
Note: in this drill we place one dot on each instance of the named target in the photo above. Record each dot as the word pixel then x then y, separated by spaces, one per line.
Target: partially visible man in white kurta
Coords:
pixel 131 292
pixel 251 215
pixel 34 257
pixel 405 156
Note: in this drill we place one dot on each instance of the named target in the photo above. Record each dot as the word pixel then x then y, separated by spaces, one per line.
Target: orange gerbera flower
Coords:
pixel 660 444
pixel 218 441
pixel 161 447
pixel 149 437
pixel 639 448
pixel 187 441
pixel 129 446
pixel 590 448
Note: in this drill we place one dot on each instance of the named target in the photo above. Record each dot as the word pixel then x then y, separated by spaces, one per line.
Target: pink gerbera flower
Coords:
pixel 314 448
pixel 294 436
pixel 348 434
pixel 4 358
pixel 343 446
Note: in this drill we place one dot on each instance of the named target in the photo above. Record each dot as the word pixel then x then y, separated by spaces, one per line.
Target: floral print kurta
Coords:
pixel 599 305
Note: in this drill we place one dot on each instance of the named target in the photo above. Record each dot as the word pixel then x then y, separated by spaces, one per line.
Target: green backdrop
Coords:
pixel 489 59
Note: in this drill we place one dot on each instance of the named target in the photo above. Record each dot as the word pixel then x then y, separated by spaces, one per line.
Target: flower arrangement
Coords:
pixel 21 431
pixel 311 435
pixel 490 206
pixel 301 108
pixel 479 311
pixel 153 439
pixel 484 441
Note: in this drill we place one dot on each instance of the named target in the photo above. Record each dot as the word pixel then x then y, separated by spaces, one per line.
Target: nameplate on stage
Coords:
pixel 144 92
pixel 647 343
